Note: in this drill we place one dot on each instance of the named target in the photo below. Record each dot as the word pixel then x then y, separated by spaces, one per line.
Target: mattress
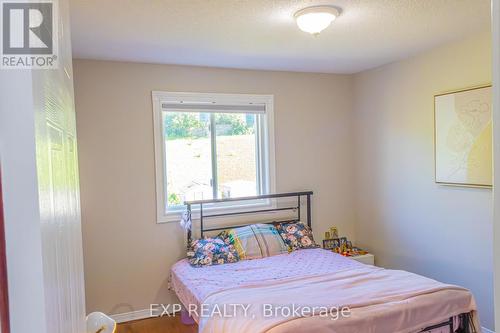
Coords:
pixel 195 285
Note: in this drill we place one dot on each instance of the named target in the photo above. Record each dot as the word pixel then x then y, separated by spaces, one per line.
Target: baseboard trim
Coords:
pixel 129 316
pixel 140 314
pixel 485 330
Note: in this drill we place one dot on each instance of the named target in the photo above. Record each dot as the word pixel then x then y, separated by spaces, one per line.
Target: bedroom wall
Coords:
pixel 127 255
pixel 407 220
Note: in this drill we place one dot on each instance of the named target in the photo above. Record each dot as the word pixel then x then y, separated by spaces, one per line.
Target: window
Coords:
pixel 211 146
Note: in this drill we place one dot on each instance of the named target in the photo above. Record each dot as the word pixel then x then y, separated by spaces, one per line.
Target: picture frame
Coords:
pixel 463 137
pixel 331 244
pixel 334 232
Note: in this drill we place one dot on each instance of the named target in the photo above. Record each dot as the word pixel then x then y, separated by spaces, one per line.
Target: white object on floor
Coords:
pixel 368 258
pixel 98 322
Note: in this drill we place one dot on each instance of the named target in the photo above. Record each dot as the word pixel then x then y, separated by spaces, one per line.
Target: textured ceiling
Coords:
pixel 262 34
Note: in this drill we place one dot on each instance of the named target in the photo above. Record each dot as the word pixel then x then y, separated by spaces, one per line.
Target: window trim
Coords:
pixel 159 97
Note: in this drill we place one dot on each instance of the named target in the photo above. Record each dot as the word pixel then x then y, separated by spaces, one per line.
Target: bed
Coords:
pixel 306 290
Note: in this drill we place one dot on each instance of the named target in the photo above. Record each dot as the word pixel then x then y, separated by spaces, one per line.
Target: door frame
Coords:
pixel 495 24
pixel 4 291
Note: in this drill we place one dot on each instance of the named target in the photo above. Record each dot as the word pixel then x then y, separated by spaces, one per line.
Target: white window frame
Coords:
pixel 267 144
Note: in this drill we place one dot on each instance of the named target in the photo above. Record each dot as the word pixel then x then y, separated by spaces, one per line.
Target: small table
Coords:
pixel 368 258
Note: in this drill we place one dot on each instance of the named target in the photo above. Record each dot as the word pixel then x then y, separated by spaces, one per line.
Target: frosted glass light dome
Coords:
pixel 316 19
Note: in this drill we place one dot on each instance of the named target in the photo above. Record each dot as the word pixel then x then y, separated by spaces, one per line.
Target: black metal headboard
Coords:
pixel 296 207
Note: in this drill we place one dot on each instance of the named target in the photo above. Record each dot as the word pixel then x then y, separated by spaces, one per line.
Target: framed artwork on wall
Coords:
pixel 463 137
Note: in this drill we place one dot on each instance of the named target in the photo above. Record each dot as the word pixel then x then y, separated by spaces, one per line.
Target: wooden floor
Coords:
pixel 157 325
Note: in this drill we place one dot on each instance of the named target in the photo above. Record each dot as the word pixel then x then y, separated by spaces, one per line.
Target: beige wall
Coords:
pixel 402 215
pixel 128 255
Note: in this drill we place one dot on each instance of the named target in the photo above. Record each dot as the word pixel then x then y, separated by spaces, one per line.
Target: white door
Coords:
pixel 38 151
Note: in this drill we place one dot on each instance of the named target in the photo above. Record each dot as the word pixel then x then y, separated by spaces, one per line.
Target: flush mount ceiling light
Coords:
pixel 315 19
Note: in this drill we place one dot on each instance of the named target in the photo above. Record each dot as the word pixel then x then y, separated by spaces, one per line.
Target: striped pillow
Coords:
pixel 257 241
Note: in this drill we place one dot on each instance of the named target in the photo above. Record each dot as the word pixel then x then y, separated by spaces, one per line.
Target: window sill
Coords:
pixel 175 215
pixel 169 217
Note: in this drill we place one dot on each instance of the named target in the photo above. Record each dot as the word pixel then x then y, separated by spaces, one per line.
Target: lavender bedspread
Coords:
pixel 322 275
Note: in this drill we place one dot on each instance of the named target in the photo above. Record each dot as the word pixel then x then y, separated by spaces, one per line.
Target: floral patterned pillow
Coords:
pixel 296 235
pixel 212 251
